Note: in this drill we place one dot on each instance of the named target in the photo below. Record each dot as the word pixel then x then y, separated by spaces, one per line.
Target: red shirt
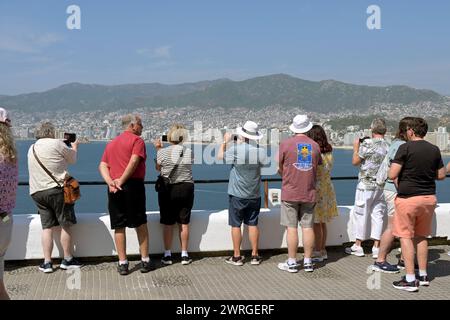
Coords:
pixel 118 153
pixel 300 156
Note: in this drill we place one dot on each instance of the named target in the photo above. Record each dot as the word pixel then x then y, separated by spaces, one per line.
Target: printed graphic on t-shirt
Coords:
pixel 304 157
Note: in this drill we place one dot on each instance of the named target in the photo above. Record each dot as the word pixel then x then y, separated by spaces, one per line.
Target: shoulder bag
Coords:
pixel 71 185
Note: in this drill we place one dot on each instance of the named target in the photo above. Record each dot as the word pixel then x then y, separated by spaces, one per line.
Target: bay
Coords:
pixel 207 196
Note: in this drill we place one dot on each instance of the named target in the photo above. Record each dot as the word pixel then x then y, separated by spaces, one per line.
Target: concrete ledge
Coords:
pixel 209 232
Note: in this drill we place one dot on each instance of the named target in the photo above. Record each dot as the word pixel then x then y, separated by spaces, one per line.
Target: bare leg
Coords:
pixel 142 235
pixel 376 243
pixel 121 243
pixel 292 242
pixel 318 234
pixel 66 241
pixel 422 252
pixel 358 242
pixel 184 236
pixel 3 292
pixel 408 254
pixel 387 239
pixel 253 236
pixel 308 241
pixel 167 236
pixel 47 243
pixel 324 237
pixel 237 239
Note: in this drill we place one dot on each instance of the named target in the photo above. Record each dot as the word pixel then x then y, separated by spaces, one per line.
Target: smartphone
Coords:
pixel 164 138
pixel 362 139
pixel 70 137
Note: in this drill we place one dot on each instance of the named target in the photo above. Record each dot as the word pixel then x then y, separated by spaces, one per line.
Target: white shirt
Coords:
pixel 55 156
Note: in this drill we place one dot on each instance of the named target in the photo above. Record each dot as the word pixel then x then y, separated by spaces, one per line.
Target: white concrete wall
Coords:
pixel 209 232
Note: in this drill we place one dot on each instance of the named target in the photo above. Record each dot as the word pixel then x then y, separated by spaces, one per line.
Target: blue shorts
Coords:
pixel 243 210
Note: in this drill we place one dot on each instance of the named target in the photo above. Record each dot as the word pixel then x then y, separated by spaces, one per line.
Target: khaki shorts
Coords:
pixel 413 216
pixel 294 212
pixel 389 197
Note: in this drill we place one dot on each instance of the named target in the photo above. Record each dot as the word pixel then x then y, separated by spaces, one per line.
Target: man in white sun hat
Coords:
pixel 299 157
pixel 244 186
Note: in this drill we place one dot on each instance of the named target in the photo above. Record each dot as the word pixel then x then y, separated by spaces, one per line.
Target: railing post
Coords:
pixel 266 194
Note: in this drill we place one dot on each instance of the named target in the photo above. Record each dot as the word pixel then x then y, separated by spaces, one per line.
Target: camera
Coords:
pixel 362 139
pixel 69 138
pixel 164 138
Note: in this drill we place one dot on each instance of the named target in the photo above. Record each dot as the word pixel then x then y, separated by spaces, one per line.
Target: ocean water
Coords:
pixel 207 196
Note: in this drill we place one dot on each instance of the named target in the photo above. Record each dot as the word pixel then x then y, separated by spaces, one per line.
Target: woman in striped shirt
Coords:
pixel 175 163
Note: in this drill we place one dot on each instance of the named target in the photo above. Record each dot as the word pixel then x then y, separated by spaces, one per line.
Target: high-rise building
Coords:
pixel 350 137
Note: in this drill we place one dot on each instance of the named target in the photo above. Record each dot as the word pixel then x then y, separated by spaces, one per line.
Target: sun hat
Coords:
pixel 301 124
pixel 250 131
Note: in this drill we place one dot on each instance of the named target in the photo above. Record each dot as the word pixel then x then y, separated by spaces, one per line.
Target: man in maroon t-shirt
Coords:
pixel 123 169
pixel 299 157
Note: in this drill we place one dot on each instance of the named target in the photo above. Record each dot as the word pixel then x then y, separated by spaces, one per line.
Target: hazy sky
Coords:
pixel 191 40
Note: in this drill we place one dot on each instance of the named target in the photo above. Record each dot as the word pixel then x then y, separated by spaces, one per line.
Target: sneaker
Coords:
pixel 375 252
pixel 424 281
pixel 186 260
pixel 167 260
pixel 355 250
pixel 317 256
pixel 236 261
pixel 71 264
pixel 46 267
pixel 147 266
pixel 122 269
pixel 412 286
pixel 293 268
pixel 401 265
pixel 324 255
pixel 308 267
pixel 256 260
pixel 385 267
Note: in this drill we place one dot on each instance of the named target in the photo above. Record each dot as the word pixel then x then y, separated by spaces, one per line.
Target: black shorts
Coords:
pixel 52 209
pixel 127 207
pixel 175 206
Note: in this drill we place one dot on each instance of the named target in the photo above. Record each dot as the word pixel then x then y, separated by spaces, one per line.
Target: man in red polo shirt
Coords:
pixel 123 169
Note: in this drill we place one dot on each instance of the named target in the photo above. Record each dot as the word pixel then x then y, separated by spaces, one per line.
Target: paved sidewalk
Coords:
pixel 341 277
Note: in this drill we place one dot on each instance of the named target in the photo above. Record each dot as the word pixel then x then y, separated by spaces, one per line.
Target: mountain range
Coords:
pixel 278 89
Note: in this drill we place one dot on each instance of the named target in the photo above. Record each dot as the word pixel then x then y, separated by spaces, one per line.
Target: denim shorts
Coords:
pixel 243 210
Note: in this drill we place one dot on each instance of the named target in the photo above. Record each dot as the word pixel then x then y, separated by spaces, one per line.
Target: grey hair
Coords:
pixel 45 130
pixel 378 126
pixel 129 119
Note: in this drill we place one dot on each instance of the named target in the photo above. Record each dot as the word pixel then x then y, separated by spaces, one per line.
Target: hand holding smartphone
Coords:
pixel 69 138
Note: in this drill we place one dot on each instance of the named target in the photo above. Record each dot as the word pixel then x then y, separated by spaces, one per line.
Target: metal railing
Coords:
pixel 208 181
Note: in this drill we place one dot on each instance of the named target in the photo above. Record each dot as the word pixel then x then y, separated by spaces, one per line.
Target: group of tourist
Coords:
pixel 396 187
pixel 397 184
